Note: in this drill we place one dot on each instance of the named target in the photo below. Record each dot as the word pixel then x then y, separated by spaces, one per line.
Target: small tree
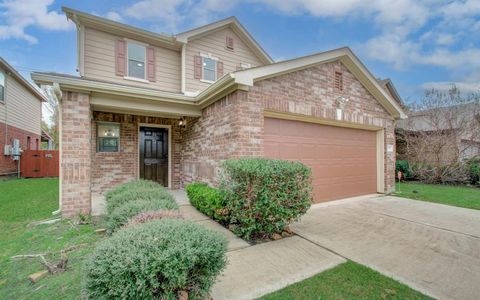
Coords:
pixel 432 137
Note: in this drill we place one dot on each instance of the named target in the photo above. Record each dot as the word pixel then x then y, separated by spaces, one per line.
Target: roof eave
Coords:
pixel 39 95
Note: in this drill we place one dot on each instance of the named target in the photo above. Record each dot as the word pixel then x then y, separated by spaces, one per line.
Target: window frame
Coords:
pixel 4 87
pixel 98 137
pixel 215 60
pixel 144 79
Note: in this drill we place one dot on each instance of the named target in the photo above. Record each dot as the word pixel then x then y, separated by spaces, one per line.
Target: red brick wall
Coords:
pixel 233 127
pixel 75 159
pixel 7 164
pixel 113 168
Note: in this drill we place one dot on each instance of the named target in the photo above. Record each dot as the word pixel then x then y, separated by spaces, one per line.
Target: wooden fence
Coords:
pixel 39 163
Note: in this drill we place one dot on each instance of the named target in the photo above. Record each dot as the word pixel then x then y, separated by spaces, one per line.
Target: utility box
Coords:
pixel 7 150
pixel 16 150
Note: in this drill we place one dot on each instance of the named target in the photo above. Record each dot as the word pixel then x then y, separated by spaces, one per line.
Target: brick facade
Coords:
pixel 112 168
pixel 8 134
pixel 75 157
pixel 233 126
pixel 229 128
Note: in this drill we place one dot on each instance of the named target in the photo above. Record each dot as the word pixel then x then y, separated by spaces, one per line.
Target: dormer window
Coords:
pixel 209 69
pixel 136 54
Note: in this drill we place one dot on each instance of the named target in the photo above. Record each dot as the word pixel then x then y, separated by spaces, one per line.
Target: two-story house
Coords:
pixel 170 108
pixel 20 116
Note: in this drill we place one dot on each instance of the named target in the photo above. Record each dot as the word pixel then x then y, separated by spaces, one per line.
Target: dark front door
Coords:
pixel 154 154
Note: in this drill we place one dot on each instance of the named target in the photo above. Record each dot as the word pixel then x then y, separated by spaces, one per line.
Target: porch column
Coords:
pixel 75 154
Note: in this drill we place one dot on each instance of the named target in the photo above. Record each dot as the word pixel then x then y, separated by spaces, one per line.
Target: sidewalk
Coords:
pixel 253 271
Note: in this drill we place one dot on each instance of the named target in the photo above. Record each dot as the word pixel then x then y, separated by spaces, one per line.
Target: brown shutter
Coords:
pixel 219 69
pixel 229 42
pixel 151 64
pixel 120 57
pixel 197 63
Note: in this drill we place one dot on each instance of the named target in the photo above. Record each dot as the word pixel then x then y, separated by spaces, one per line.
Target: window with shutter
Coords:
pixel 338 81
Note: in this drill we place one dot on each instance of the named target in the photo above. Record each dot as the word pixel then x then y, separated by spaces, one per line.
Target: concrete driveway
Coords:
pixel 431 247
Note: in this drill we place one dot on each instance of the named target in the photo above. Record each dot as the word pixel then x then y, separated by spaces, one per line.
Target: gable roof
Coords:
pixel 344 55
pixel 233 24
pixel 30 87
pixel 388 85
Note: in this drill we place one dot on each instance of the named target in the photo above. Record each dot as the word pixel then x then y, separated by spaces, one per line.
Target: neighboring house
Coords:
pixel 20 115
pixel 171 108
pixel 440 135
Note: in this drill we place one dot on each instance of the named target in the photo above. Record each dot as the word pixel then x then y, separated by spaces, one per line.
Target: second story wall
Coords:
pixel 215 44
pixel 21 108
pixel 99 63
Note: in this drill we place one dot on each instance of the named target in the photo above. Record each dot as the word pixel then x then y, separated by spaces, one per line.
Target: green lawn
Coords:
pixel 21 202
pixel 468 197
pixel 346 281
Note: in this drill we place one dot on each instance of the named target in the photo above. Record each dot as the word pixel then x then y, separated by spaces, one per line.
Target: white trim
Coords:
pixel 128 41
pixel 381 161
pixel 208 55
pixel 208 81
pixel 169 127
pixel 183 66
pixel 136 79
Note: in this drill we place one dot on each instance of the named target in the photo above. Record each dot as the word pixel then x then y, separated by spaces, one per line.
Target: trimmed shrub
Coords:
pixel 156 260
pixel 132 185
pixel 404 167
pixel 123 213
pixel 207 200
pixel 137 193
pixel 262 196
pixel 473 166
pixel 148 216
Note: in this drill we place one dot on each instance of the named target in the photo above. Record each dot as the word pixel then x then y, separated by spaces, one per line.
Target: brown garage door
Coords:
pixel 343 160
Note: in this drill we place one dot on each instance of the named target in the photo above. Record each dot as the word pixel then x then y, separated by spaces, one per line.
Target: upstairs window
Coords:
pixel 136 54
pixel 338 81
pixel 2 86
pixel 108 137
pixel 209 69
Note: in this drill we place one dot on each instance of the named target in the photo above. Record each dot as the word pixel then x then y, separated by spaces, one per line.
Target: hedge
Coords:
pixel 262 196
pixel 137 193
pixel 155 260
pixel 207 200
pixel 121 215
pixel 132 185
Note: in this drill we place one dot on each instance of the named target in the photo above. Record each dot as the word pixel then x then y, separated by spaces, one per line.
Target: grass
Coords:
pixel 461 196
pixel 21 202
pixel 346 281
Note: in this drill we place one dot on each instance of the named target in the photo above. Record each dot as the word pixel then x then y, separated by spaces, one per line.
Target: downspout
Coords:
pixel 58 93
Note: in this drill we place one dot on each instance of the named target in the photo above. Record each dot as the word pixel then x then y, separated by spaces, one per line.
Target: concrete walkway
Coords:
pixel 253 271
pixel 432 248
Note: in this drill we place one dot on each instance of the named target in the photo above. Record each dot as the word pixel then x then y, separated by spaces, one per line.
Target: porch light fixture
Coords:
pixel 182 122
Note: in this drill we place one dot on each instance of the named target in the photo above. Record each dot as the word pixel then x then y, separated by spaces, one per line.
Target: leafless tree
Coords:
pixel 440 135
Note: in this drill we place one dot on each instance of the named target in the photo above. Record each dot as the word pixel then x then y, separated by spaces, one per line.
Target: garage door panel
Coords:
pixel 343 160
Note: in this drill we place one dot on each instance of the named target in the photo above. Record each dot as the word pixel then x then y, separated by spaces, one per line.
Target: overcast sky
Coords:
pixel 417 43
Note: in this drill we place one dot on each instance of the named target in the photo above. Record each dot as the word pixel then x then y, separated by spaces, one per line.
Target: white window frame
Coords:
pixel 4 86
pixel 128 77
pixel 98 138
pixel 215 59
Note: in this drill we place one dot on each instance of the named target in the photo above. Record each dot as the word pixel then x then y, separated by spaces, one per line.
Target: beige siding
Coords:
pixel 22 109
pixel 214 43
pixel 100 63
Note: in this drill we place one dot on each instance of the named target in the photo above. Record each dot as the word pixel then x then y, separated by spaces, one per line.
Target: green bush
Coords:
pixel 155 260
pixel 473 167
pixel 404 167
pixel 262 196
pixel 137 193
pixel 134 184
pixel 207 200
pixel 121 215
